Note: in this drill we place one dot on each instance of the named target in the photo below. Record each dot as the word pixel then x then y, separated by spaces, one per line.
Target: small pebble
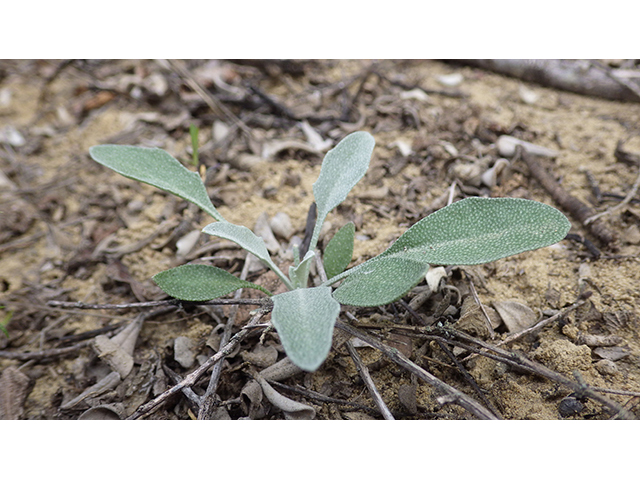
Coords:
pixel 263 229
pixel 281 225
pixel 187 242
pixel 606 367
pixel 570 406
pixel 12 136
pixel 183 351
pixel 451 80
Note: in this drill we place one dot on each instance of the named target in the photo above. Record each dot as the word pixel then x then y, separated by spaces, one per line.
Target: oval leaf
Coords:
pixel 242 236
pixel 342 168
pixel 479 230
pixel 247 240
pixel 304 319
pixel 199 283
pixel 339 250
pixel 383 280
pixel 156 167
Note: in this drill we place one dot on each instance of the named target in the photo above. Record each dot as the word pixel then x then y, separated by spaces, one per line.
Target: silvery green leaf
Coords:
pixel 156 167
pixel 240 235
pixel 299 274
pixel 247 240
pixel 382 280
pixel 339 250
pixel 342 168
pixel 468 232
pixel 199 283
pixel 479 230
pixel 304 319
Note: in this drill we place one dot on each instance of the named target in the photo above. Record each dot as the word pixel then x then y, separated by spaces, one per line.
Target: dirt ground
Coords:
pixel 75 231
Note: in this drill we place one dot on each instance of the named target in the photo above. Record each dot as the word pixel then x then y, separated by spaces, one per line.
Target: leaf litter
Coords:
pixel 293 118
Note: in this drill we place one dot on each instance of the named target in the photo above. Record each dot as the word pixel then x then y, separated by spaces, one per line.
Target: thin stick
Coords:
pixel 467 376
pixel 452 395
pixel 571 204
pixel 487 320
pixel 192 397
pixel 368 381
pixel 210 100
pixel 539 325
pixel 208 399
pixel 518 359
pixel 158 303
pixel 632 193
pixel 193 377
pixel 52 352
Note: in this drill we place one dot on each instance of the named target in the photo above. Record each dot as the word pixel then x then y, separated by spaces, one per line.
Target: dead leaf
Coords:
pixel 261 356
pixel 407 397
pixel 292 410
pixel 612 353
pixel 109 411
pixel 14 390
pixel 515 315
pixel 108 383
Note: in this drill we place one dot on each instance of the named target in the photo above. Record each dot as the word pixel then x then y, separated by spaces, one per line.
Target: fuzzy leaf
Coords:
pixel 247 240
pixel 339 250
pixel 384 280
pixel 304 319
pixel 242 236
pixel 480 230
pixel 468 232
pixel 342 168
pixel 156 167
pixel 199 283
pixel 299 274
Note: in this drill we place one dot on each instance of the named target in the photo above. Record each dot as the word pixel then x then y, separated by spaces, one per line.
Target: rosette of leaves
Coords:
pixel 471 231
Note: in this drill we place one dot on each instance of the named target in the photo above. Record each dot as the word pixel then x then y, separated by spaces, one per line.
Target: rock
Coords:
pixel 187 242
pixel 263 229
pixel 183 351
pixel 451 80
pixel 281 225
pixel 606 367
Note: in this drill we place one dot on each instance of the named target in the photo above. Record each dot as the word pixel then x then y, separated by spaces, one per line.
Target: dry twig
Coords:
pixel 632 193
pixel 208 403
pixel 519 360
pixel 452 395
pixel 571 204
pixel 368 381
pixel 194 376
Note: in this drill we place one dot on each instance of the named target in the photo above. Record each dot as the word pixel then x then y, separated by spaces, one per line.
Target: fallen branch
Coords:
pixel 577 76
pixel 571 204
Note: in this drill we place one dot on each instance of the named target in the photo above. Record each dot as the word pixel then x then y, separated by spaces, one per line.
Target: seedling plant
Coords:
pixel 468 232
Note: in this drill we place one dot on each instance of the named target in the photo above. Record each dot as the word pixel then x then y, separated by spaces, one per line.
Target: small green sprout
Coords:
pixel 471 231
pixel 4 323
pixel 193 133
